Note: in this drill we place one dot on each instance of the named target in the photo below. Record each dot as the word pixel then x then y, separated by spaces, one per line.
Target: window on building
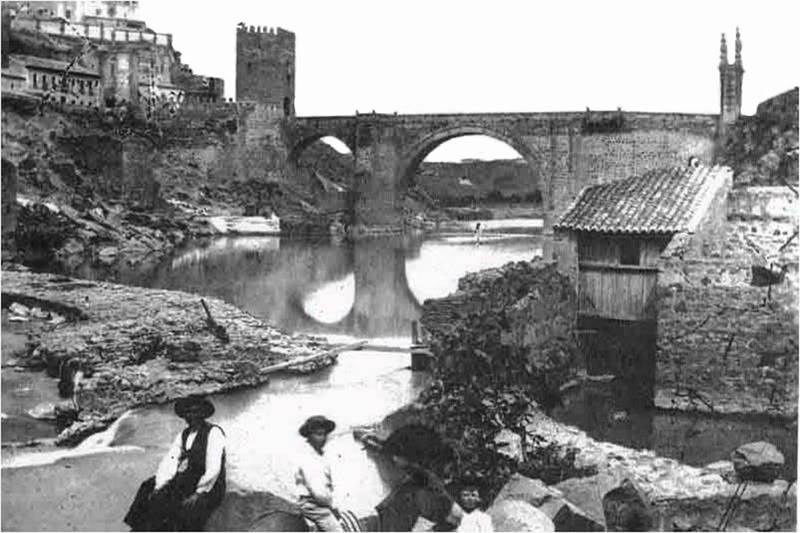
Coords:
pixel 34 81
pixel 112 11
pixel 68 14
pixel 98 12
pixel 81 88
pixel 629 252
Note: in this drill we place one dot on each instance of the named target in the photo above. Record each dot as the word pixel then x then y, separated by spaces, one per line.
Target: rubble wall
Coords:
pixel 535 303
pixel 723 342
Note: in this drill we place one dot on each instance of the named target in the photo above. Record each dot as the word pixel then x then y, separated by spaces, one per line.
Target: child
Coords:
pixel 469 498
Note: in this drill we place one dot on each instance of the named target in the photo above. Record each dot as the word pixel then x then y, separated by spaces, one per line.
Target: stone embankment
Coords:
pixel 671 495
pixel 122 347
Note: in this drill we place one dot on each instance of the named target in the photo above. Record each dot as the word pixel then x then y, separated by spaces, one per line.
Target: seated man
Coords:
pixel 313 476
pixel 190 481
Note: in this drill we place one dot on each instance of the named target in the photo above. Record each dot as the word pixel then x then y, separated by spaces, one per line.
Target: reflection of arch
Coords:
pixel 382 296
pixel 417 152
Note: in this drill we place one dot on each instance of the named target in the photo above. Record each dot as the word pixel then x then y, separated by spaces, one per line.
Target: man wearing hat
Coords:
pixel 313 476
pixel 190 481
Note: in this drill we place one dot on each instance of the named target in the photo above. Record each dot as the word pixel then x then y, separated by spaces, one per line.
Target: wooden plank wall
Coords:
pixel 617 292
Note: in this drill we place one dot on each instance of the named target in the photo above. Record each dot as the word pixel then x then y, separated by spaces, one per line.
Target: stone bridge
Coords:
pixel 567 151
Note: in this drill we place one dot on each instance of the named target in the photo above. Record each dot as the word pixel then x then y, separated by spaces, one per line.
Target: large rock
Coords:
pixel 107 255
pixel 516 515
pixel 626 508
pixel 564 515
pixel 255 511
pixel 757 461
pixel 587 493
pixel 510 444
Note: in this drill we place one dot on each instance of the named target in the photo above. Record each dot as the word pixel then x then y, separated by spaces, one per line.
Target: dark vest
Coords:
pixel 186 481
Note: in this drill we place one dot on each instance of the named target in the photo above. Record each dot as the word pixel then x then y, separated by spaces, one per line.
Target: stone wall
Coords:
pixel 534 303
pixel 265 67
pixel 719 336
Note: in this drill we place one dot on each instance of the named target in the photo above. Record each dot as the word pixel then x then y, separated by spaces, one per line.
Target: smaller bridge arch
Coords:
pixel 423 146
pixel 300 146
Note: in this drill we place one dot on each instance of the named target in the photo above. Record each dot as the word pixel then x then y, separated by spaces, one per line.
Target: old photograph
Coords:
pixel 430 265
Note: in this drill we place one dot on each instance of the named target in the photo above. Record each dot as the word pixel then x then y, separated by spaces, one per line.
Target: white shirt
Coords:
pixel 169 464
pixel 313 477
pixel 476 520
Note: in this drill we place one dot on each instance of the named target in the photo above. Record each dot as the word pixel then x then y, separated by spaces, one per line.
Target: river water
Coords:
pixel 372 289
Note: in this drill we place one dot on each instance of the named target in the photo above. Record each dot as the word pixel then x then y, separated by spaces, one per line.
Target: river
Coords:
pixel 372 289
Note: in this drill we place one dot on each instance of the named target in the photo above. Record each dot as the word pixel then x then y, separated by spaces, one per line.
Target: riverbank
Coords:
pixel 130 346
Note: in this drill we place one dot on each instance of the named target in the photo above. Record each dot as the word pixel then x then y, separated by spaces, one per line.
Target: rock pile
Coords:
pixel 139 346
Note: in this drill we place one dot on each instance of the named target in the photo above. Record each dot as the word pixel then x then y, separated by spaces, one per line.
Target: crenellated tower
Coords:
pixel 730 83
pixel 265 66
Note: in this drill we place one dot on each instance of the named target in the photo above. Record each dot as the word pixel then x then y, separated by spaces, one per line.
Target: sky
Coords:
pixel 433 56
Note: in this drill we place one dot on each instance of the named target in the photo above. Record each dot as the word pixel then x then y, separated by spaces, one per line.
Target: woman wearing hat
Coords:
pixel 313 476
pixel 190 481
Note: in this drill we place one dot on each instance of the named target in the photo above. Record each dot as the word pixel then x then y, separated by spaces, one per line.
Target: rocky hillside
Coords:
pixel 762 149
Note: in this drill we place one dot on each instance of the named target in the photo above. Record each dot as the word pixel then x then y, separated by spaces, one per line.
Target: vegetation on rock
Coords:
pixel 489 378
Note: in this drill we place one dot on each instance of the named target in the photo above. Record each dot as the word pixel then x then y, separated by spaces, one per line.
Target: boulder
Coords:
pixel 255 511
pixel 587 493
pixel 564 515
pixel 516 515
pixel 758 461
pixel 17 308
pixel 626 508
pixel 510 444
pixel 107 255
pixel 531 491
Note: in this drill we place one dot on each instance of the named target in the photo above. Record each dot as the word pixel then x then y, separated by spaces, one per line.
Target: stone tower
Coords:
pixel 730 83
pixel 265 67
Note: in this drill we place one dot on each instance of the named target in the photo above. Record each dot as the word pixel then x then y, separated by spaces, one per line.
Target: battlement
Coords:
pixel 265 66
pixel 263 30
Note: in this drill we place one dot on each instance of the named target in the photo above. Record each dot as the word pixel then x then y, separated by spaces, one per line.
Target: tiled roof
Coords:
pixel 666 200
pixel 53 65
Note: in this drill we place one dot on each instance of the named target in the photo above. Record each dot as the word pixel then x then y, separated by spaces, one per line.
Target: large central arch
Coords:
pixel 420 149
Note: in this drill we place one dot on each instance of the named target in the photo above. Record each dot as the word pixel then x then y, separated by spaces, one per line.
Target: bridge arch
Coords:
pixel 300 145
pixel 420 149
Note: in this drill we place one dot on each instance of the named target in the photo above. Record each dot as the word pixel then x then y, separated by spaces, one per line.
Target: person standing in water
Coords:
pixel 478 233
pixel 313 476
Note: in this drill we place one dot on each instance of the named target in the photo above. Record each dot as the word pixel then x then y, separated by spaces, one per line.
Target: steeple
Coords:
pixel 723 52
pixel 730 83
pixel 738 59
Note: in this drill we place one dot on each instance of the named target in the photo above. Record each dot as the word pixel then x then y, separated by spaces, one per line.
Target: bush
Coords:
pixel 483 385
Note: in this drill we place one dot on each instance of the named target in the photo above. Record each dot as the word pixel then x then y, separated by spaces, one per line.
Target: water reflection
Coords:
pixel 370 289
pixel 608 412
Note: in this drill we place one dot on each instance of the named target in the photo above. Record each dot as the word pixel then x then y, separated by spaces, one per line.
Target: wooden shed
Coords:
pixel 615 235
pixel 619 230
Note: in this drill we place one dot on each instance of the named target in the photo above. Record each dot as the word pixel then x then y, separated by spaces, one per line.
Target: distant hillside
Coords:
pixel 499 180
pixel 762 149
